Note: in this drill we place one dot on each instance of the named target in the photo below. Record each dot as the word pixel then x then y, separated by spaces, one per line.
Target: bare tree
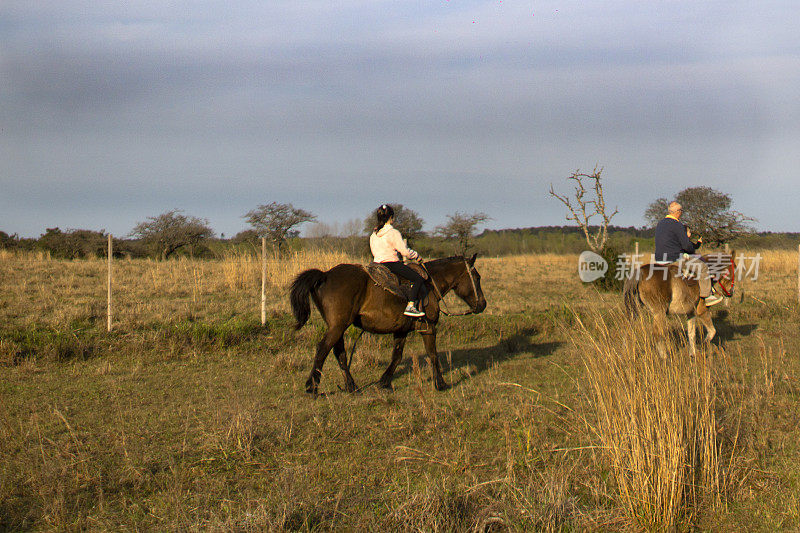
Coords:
pixel 172 230
pixel 321 230
pixel 461 228
pixel 351 228
pixel 587 207
pixel 707 212
pixel 277 221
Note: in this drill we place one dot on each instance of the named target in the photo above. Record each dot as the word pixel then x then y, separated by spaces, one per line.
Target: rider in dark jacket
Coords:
pixel 672 240
pixel 673 244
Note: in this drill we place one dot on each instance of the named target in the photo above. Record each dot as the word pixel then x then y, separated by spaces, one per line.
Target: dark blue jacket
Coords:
pixel 672 241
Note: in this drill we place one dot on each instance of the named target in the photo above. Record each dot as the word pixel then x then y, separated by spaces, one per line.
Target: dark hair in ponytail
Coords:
pixel 384 213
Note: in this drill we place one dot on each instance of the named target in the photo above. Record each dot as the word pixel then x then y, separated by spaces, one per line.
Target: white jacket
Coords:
pixel 386 243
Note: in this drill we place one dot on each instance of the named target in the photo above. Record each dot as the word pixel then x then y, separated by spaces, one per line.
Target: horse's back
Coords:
pixel 349 296
pixel 347 270
pixel 344 279
pixel 372 308
pixel 662 288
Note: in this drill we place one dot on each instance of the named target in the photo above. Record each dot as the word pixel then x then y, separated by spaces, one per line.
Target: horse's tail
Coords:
pixel 630 294
pixel 302 287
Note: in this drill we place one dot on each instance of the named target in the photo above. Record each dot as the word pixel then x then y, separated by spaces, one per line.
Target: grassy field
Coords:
pixel 191 416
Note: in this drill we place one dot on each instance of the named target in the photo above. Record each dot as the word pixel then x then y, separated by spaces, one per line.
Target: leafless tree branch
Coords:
pixel 596 206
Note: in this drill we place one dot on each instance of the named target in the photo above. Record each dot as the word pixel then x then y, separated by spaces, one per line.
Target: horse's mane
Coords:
pixel 444 261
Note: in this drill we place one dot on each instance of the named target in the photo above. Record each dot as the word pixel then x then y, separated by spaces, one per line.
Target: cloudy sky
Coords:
pixel 111 112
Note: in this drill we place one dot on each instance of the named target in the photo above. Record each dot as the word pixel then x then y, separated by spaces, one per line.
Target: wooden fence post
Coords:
pixel 727 252
pixel 263 281
pixel 110 259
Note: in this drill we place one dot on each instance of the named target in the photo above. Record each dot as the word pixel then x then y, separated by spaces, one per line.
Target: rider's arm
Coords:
pixel 400 245
pixel 687 246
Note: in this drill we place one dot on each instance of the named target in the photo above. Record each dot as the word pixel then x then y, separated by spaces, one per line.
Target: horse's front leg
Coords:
pixel 397 355
pixel 711 331
pixel 341 356
pixel 429 339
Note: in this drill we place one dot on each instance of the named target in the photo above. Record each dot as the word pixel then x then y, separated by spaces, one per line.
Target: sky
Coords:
pixel 112 112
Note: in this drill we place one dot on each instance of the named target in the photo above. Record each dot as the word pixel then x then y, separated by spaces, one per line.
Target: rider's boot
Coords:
pixel 411 310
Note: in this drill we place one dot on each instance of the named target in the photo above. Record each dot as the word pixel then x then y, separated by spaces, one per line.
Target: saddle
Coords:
pixel 387 281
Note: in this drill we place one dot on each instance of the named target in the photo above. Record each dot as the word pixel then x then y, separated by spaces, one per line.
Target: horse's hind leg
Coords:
pixel 397 355
pixel 691 332
pixel 661 327
pixel 341 356
pixel 323 349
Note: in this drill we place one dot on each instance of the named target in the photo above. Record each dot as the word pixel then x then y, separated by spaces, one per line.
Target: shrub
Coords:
pixel 613 279
pixel 8 241
pixel 73 243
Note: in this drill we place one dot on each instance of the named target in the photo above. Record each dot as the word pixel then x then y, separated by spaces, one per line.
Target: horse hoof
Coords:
pixel 311 387
pixel 442 386
pixel 386 386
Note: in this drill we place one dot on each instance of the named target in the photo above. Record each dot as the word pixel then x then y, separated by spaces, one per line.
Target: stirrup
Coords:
pixel 712 299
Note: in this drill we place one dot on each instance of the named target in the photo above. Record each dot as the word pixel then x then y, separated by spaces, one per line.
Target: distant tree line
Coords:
pixel 175 233
pixel 66 244
pixel 75 244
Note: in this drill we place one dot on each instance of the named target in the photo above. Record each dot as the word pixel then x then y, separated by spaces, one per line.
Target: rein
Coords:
pixel 353 349
pixel 443 308
pixel 728 292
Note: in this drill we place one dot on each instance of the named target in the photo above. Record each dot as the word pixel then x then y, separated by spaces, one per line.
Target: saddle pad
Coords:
pixel 384 279
pixel 717 264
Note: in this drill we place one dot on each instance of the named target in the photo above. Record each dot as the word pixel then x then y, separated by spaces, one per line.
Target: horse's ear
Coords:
pixel 472 259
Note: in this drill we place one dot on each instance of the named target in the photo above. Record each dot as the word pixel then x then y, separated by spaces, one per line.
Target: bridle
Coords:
pixel 443 307
pixel 731 276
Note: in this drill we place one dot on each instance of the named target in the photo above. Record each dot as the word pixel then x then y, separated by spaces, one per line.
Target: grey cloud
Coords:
pixel 166 106
pixel 323 88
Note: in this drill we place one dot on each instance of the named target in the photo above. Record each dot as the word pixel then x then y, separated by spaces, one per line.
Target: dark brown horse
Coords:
pixel 346 295
pixel 663 290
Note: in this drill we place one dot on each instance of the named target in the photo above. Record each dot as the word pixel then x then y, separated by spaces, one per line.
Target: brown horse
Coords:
pixel 662 289
pixel 346 295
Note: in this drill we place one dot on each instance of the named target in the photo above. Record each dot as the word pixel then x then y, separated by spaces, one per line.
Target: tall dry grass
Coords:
pixel 655 421
pixel 44 292
pixel 191 416
pixel 777 261
pixel 242 269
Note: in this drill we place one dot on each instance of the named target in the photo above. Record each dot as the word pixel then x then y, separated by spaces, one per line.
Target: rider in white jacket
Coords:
pixel 386 243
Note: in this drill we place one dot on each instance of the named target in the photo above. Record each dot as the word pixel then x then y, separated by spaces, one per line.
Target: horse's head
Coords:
pixel 467 286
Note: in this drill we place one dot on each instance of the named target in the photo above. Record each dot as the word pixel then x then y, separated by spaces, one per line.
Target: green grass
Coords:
pixel 198 421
